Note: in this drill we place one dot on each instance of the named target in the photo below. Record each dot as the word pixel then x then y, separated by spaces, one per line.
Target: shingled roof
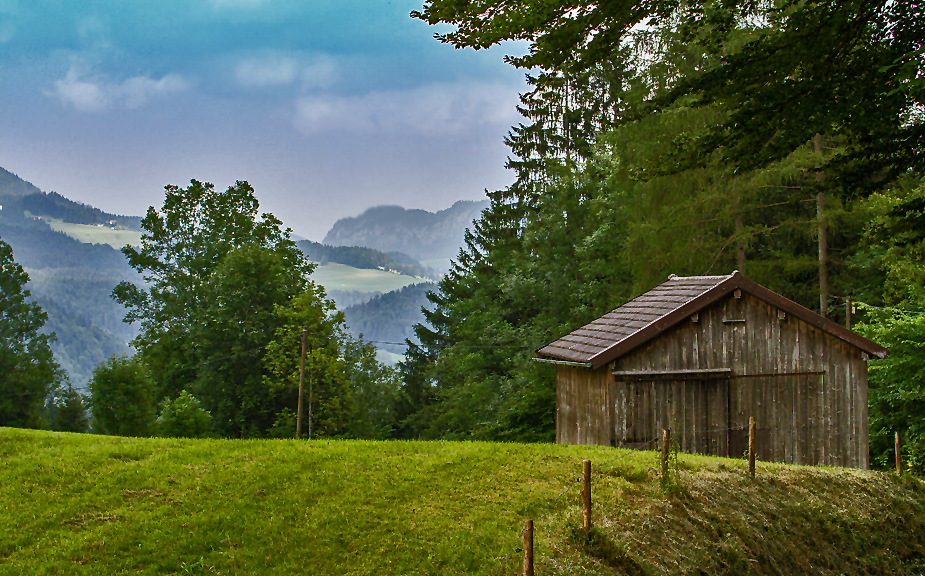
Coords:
pixel 645 317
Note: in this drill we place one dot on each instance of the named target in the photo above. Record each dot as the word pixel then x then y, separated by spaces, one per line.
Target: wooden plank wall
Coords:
pixel 583 406
pixel 818 418
pixel 695 411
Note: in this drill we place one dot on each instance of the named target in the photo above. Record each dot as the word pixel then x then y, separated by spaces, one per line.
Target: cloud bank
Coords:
pixel 277 69
pixel 96 95
pixel 431 110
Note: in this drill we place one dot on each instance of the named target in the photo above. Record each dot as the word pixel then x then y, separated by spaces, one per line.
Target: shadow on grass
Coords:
pixel 598 545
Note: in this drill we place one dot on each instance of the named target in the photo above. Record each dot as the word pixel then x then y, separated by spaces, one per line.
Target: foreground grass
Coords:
pixel 78 504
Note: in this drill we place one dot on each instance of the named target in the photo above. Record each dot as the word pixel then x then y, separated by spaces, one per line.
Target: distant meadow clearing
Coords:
pixel 340 277
pixel 93 234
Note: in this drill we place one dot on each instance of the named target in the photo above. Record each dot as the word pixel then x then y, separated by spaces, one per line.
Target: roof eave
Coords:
pixel 812 318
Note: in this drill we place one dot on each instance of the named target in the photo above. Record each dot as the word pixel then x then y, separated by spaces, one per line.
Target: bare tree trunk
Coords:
pixel 823 240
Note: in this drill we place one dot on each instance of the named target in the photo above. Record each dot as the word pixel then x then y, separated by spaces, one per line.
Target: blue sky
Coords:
pixel 326 107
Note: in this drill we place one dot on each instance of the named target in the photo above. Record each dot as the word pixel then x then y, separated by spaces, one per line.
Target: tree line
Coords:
pixel 364 258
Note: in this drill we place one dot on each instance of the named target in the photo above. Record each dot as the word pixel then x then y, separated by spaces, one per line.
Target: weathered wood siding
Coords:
pixel 584 406
pixel 818 416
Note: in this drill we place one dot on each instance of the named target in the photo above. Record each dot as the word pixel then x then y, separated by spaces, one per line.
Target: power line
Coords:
pixel 889 309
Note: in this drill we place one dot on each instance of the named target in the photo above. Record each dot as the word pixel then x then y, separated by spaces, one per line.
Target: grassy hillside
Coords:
pixel 339 277
pixel 102 505
pixel 92 234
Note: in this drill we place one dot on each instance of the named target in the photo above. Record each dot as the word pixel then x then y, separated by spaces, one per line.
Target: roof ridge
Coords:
pixel 676 277
pixel 660 316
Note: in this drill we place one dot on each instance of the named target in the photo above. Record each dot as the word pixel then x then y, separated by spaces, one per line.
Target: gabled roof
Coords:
pixel 645 317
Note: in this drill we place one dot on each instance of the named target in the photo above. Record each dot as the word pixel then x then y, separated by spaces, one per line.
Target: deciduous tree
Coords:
pixel 28 371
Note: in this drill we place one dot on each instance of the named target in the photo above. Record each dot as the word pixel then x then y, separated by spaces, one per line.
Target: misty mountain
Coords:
pixel 72 281
pixel 390 317
pixel 423 235
pixel 13 185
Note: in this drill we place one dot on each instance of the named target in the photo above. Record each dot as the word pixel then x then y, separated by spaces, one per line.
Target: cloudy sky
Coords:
pixel 327 107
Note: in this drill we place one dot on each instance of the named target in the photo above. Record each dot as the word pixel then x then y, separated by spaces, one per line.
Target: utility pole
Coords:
pixel 823 241
pixel 740 251
pixel 298 419
pixel 848 311
pixel 310 373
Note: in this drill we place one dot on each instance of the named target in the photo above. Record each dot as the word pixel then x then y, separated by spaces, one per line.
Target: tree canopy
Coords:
pixel 28 372
pixel 228 293
pixel 783 70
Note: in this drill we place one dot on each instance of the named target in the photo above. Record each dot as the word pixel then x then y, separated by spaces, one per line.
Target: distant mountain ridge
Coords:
pixel 420 234
pixel 13 185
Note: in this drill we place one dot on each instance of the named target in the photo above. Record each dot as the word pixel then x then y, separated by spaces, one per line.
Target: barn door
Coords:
pixel 695 410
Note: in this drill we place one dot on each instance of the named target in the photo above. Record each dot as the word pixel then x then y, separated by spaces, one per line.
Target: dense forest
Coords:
pixel 785 140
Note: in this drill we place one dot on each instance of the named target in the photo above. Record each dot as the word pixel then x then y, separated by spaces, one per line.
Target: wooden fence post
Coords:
pixel 666 438
pixel 751 447
pixel 528 547
pixel 899 458
pixel 586 494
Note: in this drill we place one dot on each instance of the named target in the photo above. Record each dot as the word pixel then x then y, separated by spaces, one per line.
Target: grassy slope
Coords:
pixel 331 276
pixel 341 277
pixel 96 235
pixel 100 505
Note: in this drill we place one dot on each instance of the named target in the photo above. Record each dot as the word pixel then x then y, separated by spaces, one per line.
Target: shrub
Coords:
pixel 122 397
pixel 184 417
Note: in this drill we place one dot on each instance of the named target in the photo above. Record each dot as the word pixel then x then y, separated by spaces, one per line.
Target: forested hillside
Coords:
pixel 390 317
pixel 429 237
pixel 54 205
pixel 13 185
pixel 785 140
pixel 72 281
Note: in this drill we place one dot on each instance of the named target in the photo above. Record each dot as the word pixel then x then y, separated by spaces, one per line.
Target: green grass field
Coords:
pixel 81 504
pixel 95 234
pixel 341 277
pixel 390 358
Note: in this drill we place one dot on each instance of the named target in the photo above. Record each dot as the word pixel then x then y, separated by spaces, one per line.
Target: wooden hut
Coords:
pixel 700 355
